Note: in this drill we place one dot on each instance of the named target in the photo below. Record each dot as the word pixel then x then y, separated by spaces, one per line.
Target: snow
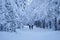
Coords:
pixel 22 12
pixel 30 35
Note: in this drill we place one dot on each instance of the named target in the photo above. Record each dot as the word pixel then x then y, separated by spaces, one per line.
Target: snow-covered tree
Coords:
pixel 54 11
pixel 9 16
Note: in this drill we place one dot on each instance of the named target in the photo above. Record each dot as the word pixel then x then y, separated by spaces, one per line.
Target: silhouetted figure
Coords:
pixel 30 26
pixel 50 24
pixel 46 24
pixel 1 27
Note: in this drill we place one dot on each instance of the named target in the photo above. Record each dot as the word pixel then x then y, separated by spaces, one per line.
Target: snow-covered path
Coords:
pixel 30 35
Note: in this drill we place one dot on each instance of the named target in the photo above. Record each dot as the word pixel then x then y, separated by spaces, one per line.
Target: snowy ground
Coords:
pixel 34 34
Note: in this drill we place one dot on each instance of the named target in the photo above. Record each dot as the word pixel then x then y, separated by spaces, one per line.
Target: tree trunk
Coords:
pixel 55 23
pixel 44 23
pixel 50 24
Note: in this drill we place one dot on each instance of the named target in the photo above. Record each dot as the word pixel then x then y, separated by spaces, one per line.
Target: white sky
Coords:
pixel 29 2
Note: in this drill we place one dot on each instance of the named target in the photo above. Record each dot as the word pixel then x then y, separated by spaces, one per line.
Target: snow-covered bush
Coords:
pixel 37 23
